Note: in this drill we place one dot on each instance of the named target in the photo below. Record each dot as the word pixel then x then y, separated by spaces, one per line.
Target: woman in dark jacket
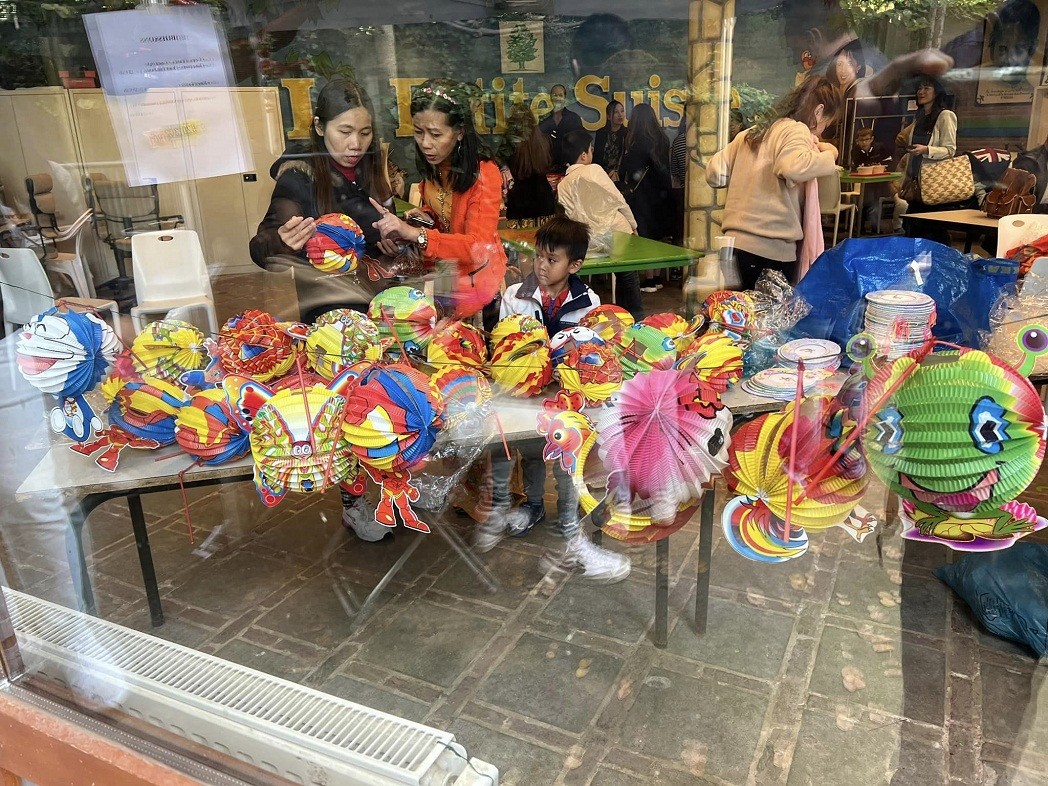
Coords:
pixel 531 199
pixel 611 139
pixel 644 177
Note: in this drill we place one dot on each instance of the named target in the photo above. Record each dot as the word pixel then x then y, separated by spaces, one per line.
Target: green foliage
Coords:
pixel 911 14
pixel 521 45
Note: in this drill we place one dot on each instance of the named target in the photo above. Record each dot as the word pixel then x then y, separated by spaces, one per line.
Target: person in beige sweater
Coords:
pixel 764 169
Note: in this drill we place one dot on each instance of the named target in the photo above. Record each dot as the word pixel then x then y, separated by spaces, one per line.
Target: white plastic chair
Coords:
pixel 1014 231
pixel 830 204
pixel 26 292
pixel 72 263
pixel 170 273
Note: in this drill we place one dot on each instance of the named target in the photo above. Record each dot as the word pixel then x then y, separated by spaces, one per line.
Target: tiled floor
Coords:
pixel 838 667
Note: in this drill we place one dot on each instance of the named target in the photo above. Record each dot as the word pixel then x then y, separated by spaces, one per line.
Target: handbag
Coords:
pixel 629 188
pixel 1014 195
pixel 946 181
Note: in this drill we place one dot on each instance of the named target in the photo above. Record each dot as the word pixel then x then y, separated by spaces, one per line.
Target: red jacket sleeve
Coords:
pixel 475 237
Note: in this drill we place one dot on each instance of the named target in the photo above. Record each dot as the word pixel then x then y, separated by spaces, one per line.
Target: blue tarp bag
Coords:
pixel 1007 592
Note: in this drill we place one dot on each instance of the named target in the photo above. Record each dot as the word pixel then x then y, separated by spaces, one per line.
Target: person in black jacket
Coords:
pixel 611 139
pixel 562 121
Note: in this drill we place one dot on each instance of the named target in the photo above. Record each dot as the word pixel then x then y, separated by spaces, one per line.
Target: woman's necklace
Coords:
pixel 444 194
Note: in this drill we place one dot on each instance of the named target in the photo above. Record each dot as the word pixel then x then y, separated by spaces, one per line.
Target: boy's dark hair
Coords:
pixel 561 232
pixel 574 144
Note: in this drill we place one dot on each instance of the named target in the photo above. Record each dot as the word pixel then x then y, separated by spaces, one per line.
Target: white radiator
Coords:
pixel 292 731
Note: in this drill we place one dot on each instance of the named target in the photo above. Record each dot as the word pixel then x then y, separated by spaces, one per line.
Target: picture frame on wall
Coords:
pixel 1014 56
pixel 521 45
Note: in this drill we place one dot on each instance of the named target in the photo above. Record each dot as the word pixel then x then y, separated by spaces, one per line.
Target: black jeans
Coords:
pixel 751 266
pixel 627 293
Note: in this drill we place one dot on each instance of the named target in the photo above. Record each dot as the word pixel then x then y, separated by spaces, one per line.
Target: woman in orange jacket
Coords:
pixel 461 197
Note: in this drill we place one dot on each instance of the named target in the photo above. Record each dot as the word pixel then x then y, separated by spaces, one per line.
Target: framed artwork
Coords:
pixel 1014 56
pixel 521 44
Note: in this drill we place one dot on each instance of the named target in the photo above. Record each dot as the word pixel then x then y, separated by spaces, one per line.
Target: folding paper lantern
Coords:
pixel 672 325
pixel 459 344
pixel 646 348
pixel 253 344
pixel 957 435
pixel 407 317
pixel 340 338
pixel 465 392
pixel 729 312
pixel 714 358
pixel 338 244
pixel 297 441
pixel 66 355
pixel 592 371
pixel 520 357
pixel 207 429
pixel 566 340
pixel 608 321
pixel 167 349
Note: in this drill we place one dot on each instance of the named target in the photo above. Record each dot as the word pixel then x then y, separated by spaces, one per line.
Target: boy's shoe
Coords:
pixel 597 564
pixel 649 285
pixel 520 526
pixel 502 521
pixel 359 518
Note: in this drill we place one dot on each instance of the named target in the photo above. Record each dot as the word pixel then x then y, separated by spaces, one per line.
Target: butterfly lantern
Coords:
pixel 254 344
pixel 142 412
pixel 958 434
pixel 297 441
pixel 66 354
pixel 393 415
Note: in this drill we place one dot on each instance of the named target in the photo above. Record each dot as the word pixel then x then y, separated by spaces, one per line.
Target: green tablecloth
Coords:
pixel 629 252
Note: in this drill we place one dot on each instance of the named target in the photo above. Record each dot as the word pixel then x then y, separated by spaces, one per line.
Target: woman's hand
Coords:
pixel 296 231
pixel 921 150
pixel 825 147
pixel 389 247
pixel 391 227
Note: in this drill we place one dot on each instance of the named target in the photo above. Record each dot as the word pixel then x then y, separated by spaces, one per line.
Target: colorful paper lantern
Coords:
pixel 729 312
pixel 406 317
pixel 168 348
pixel 458 344
pixel 254 344
pixel 646 348
pixel 340 338
pixel 608 321
pixel 466 394
pixel 338 244
pixel 520 357
pixel 714 358
pixel 207 429
pixel 592 371
pixel 957 435
pixel 572 338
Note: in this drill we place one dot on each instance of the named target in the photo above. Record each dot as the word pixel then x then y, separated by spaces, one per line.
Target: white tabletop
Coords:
pixel 968 216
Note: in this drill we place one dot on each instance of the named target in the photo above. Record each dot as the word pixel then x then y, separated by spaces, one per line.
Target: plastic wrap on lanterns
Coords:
pixel 715 359
pixel 297 441
pixel 253 344
pixel 207 429
pixel 957 440
pixel 393 415
pixel 729 312
pixel 458 344
pixel 609 322
pixel 340 338
pixel 592 371
pixel 646 348
pixel 755 522
pixel 520 356
pixel 338 244
pixel 66 355
pixel 560 344
pixel 167 349
pixel 406 317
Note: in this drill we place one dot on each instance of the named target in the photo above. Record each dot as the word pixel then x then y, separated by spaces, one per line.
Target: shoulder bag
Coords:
pixel 946 181
pixel 1013 195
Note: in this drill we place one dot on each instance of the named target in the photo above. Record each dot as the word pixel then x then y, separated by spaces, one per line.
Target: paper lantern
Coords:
pixel 608 321
pixel 729 312
pixel 340 338
pixel 646 348
pixel 459 344
pixel 715 359
pixel 961 436
pixel 592 371
pixel 406 317
pixel 338 244
pixel 207 429
pixel 672 325
pixel 144 407
pixel 575 337
pixel 168 348
pixel 466 394
pixel 253 344
pixel 520 357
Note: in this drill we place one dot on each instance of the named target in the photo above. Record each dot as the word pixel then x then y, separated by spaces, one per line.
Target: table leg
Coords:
pixel 77 559
pixel 369 602
pixel 662 591
pixel 453 539
pixel 145 559
pixel 702 586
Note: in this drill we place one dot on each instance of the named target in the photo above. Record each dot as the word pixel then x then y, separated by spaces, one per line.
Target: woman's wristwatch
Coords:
pixel 422 240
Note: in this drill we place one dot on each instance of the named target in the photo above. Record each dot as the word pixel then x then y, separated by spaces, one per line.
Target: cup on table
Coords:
pixel 724 245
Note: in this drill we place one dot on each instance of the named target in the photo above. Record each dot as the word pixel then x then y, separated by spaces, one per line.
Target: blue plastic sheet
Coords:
pixel 963 287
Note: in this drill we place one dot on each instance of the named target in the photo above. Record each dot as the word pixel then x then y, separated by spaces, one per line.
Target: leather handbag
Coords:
pixel 1014 195
pixel 946 181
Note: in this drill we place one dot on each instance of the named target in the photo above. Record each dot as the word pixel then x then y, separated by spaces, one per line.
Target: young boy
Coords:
pixel 554 294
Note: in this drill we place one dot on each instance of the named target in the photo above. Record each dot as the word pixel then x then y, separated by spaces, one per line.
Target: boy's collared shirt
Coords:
pixel 528 298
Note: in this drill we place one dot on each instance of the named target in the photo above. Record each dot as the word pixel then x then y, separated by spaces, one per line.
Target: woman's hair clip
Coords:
pixel 435 91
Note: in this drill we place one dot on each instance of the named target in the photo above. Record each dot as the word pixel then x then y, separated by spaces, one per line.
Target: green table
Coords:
pixel 862 181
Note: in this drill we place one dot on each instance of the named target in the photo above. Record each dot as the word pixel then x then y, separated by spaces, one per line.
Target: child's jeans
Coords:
pixel 534 484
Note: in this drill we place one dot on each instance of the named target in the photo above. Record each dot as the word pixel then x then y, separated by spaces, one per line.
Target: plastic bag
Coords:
pixel 1007 591
pixel 964 288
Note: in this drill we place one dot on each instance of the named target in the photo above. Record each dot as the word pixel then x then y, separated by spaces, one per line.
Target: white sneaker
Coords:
pixel 359 518
pixel 501 521
pixel 597 564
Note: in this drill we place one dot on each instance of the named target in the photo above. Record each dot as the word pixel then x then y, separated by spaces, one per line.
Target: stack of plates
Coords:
pixel 815 352
pixel 781 383
pixel 899 321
